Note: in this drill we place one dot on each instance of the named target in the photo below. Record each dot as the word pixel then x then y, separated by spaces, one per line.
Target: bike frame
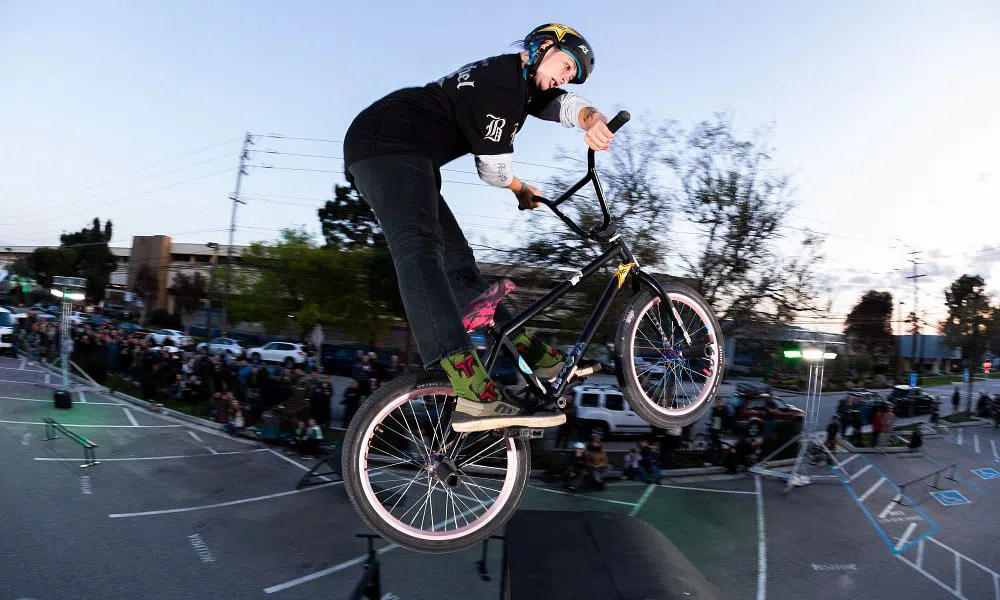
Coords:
pixel 606 232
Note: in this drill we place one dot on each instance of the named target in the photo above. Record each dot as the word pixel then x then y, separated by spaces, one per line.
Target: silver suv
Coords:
pixel 602 405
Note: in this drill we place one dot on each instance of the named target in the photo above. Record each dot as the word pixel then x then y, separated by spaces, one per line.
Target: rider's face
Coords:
pixel 557 68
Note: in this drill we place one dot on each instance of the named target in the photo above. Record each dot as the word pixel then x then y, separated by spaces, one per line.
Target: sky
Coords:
pixel 885 115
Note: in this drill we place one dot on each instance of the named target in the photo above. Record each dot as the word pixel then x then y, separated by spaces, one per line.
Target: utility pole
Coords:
pixel 211 283
pixel 235 197
pixel 916 314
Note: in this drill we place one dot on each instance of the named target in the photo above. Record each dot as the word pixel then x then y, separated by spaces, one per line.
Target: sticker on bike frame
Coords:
pixel 622 273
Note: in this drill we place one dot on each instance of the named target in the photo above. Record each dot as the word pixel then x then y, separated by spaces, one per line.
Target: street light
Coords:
pixel 816 355
pixel 211 281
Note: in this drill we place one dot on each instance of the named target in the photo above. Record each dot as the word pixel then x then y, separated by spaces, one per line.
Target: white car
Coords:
pixel 6 331
pixel 603 406
pixel 178 337
pixel 286 353
pixel 222 346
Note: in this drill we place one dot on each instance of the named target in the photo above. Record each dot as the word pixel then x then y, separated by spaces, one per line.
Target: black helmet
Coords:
pixel 564 38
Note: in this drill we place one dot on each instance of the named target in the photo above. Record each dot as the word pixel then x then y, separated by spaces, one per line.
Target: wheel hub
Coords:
pixel 445 471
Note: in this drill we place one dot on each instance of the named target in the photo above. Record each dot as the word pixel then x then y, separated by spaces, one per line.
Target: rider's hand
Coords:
pixel 525 195
pixel 598 136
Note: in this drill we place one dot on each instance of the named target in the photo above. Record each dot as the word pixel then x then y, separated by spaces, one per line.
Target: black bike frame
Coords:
pixel 605 232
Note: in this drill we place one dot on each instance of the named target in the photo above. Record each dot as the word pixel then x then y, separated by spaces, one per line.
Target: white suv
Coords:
pixel 603 406
pixel 285 353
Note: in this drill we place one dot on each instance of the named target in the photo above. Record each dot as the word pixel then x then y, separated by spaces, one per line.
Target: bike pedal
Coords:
pixel 524 433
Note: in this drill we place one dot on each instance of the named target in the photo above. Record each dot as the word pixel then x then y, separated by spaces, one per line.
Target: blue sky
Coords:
pixel 885 114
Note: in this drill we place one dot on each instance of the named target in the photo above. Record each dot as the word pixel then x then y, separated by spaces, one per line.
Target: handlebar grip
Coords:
pixel 538 199
pixel 619 120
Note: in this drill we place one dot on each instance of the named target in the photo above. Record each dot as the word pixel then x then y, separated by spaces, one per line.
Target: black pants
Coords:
pixel 435 266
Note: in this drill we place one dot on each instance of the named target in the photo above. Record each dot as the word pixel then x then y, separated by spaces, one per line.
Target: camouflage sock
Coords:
pixel 536 352
pixel 469 376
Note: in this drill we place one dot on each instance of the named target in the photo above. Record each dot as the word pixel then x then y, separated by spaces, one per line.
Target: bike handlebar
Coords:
pixel 614 125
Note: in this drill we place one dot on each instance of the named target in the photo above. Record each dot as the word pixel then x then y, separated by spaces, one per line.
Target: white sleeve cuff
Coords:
pixel 495 169
pixel 570 106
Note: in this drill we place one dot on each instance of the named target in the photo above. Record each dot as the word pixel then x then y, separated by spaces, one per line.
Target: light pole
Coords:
pixel 816 355
pixel 211 282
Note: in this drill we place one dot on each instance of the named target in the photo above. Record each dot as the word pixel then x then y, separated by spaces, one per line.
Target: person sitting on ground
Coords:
pixel 917 439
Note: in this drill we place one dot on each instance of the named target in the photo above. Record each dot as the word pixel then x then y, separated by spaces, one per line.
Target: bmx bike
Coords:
pixel 427 488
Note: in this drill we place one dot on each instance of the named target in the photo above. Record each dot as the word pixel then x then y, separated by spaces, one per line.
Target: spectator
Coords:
pixel 597 461
pixel 831 433
pixel 575 468
pixel 632 470
pixel 351 401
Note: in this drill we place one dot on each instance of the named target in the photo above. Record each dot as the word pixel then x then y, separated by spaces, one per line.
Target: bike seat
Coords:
pixel 480 311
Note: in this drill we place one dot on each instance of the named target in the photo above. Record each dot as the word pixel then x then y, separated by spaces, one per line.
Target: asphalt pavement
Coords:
pixel 175 510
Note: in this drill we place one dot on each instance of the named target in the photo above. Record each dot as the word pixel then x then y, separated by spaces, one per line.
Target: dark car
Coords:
pixel 752 404
pixel 116 311
pixel 868 402
pixel 912 401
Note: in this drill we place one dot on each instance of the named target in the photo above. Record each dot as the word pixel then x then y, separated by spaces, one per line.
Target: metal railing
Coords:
pixel 936 473
pixel 51 427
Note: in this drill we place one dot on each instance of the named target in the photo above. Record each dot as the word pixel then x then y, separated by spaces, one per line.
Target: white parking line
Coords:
pixel 49 401
pixel 906 536
pixel 872 489
pixel 960 438
pixel 169 511
pixel 585 497
pixel 159 457
pixel 195 436
pixel 848 459
pixel 701 489
pixel 975 439
pixel 993 445
pixel 761 543
pixel 83 399
pixel 21 368
pixel 93 426
pixel 889 507
pixel 920 554
pixel 642 499
pixel 214 451
pixel 959 557
pixel 325 572
pixel 860 472
pixel 131 419
pixel 958 573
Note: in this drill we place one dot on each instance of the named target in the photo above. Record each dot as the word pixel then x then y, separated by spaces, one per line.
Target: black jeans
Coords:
pixel 435 266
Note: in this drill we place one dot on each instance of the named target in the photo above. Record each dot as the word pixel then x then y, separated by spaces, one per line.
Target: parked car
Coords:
pixel 221 346
pixel 912 401
pixel 116 311
pixel 867 402
pixel 6 331
pixel 604 406
pixel 286 353
pixel 751 405
pixel 180 339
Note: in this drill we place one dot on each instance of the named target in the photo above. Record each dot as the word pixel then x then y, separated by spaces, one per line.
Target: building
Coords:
pixel 928 352
pixel 158 253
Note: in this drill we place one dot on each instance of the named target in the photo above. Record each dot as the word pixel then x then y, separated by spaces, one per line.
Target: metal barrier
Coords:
pixel 89 459
pixel 937 477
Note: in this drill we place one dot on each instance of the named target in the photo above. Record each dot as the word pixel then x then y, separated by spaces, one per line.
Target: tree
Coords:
pixel 737 204
pixel 93 259
pixel 349 224
pixel 293 283
pixel 733 208
pixel 868 327
pixel 84 253
pixel 969 311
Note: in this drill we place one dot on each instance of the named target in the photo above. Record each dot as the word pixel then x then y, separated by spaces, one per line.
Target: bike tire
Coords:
pixel 637 308
pixel 351 464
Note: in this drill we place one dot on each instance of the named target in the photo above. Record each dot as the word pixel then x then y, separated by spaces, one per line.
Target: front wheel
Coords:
pixel 418 483
pixel 670 378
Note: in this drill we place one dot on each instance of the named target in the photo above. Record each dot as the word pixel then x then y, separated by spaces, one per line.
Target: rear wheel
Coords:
pixel 418 483
pixel 670 378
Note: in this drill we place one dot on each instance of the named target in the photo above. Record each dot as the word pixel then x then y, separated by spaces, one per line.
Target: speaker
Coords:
pixel 62 399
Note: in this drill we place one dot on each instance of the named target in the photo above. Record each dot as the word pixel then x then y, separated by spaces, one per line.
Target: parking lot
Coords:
pixel 176 510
